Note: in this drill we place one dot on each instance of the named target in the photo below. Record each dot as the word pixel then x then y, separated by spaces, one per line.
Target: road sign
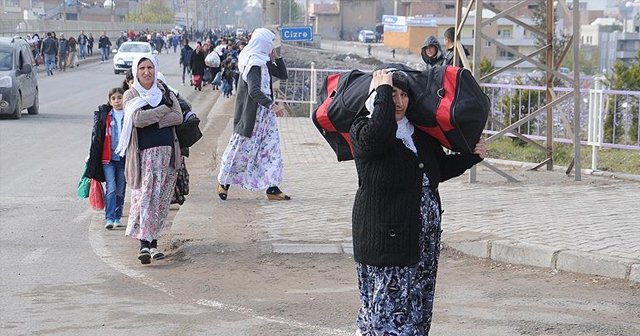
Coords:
pixel 289 34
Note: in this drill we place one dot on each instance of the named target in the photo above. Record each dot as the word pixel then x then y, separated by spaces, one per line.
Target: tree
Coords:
pixel 152 12
pixel 485 66
pixel 290 11
pixel 624 77
pixel 518 105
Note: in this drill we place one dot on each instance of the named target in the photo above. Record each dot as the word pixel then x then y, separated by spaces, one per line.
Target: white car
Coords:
pixel 128 51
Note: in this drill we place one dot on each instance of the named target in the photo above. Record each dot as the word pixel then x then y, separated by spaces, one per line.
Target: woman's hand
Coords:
pixel 278 110
pixel 480 149
pixel 382 77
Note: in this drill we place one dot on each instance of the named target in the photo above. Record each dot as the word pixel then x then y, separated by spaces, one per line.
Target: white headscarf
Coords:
pixel 257 51
pixel 164 80
pixel 152 97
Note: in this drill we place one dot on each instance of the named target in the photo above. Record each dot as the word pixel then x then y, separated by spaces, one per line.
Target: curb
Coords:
pixel 509 251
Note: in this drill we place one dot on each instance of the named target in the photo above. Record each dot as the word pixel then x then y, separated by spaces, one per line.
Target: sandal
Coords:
pixel 222 191
pixel 275 194
pixel 156 255
pixel 144 256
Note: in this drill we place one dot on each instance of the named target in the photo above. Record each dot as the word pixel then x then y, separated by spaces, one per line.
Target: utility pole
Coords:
pixel 64 11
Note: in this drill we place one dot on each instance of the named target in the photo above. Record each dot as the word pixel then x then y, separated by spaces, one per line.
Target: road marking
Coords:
pixel 100 248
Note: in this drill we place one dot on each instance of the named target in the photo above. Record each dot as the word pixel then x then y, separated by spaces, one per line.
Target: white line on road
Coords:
pixel 101 249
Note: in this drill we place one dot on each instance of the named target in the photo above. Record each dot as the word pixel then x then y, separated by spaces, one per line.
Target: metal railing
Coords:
pixel 609 118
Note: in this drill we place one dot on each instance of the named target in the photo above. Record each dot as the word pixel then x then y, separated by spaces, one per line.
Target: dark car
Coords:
pixel 18 78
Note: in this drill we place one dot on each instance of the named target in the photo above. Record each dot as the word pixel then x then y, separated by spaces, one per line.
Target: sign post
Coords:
pixel 296 34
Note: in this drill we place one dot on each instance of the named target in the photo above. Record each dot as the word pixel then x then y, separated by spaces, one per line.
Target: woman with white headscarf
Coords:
pixel 252 158
pixel 149 141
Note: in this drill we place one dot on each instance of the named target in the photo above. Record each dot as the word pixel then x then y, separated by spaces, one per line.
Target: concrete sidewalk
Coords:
pixel 546 220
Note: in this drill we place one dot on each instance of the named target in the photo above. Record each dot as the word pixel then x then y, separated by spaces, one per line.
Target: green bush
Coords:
pixel 609 159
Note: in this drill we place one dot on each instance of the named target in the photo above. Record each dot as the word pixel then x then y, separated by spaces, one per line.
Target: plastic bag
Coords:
pixel 96 195
pixel 84 184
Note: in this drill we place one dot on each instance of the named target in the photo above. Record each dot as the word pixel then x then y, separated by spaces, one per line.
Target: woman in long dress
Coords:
pixel 396 212
pixel 153 155
pixel 252 159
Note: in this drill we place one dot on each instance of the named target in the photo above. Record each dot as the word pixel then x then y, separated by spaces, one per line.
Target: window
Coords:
pixel 449 6
pixel 506 34
pixel 487 43
pixel 505 54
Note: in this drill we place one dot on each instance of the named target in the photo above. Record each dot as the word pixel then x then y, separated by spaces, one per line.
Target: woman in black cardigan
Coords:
pixel 396 213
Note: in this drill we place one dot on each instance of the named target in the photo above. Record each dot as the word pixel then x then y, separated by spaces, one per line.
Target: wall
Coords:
pixel 357 15
pixel 411 40
pixel 113 29
pixel 328 26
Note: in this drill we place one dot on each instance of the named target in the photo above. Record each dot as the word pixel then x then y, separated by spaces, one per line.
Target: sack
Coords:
pixel 84 184
pixel 212 60
pixel 340 101
pixel 196 80
pixel 451 108
pixel 188 132
pixel 96 195
pixel 217 81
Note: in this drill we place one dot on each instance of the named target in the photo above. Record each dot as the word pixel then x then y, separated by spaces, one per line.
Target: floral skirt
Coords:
pixel 398 301
pixel 254 163
pixel 150 204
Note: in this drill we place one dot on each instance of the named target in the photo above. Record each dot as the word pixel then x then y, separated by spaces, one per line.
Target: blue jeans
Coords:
pixel 105 53
pixel 83 51
pixel 49 62
pixel 115 189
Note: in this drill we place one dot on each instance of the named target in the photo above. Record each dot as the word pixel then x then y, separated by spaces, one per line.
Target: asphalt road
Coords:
pixel 62 274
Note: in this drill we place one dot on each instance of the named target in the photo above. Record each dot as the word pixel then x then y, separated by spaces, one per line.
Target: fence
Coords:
pixel 609 118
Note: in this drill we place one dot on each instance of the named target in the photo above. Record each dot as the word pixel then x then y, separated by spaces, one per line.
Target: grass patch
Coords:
pixel 609 159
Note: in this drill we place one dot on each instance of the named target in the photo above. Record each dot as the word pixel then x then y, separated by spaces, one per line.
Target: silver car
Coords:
pixel 128 51
pixel 18 79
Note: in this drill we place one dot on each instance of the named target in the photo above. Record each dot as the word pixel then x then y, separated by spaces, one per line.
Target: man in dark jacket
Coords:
pixel 185 58
pixel 449 36
pixel 63 52
pixel 104 44
pixel 49 52
pixel 431 52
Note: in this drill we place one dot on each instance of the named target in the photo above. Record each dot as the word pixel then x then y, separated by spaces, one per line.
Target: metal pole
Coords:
pixel 306 12
pixel 312 88
pixel 476 62
pixel 550 78
pixel 576 88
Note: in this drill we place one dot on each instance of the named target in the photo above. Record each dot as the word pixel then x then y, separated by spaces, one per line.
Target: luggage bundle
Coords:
pixel 445 102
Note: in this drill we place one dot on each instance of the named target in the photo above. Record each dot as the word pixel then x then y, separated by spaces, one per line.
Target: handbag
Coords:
pixel 84 183
pixel 96 195
pixel 188 132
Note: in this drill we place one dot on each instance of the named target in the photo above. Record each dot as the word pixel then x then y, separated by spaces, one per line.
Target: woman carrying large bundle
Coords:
pixel 252 158
pixel 396 212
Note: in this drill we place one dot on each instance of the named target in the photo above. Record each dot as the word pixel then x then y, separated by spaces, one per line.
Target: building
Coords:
pixel 343 19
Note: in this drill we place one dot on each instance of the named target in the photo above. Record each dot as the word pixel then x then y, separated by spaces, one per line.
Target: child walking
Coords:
pixel 104 164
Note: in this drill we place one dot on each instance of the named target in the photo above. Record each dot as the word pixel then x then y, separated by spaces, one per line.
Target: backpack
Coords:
pixel 340 101
pixel 451 108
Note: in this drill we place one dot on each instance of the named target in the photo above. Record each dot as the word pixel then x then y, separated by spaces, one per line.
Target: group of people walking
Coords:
pixel 134 143
pixel 396 217
pixel 60 52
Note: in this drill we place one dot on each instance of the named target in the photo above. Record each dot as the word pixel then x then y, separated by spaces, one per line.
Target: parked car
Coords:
pixel 128 51
pixel 367 36
pixel 18 78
